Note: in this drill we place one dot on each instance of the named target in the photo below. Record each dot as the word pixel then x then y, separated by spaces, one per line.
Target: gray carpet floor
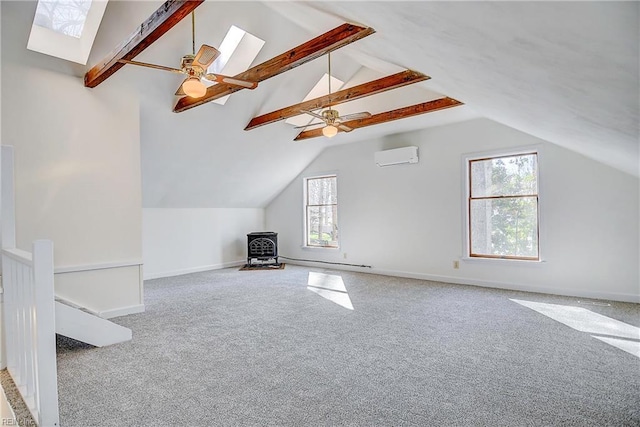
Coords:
pixel 232 348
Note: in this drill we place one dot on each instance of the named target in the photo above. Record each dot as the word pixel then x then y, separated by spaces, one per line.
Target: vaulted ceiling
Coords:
pixel 566 72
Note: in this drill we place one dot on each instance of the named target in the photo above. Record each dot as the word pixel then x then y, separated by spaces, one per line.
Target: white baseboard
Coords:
pixel 180 272
pixel 611 296
pixel 122 311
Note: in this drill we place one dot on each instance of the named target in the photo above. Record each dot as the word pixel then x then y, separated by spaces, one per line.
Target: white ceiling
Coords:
pixel 566 72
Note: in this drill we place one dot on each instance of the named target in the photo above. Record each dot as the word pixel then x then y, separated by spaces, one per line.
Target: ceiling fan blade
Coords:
pixel 180 92
pixel 343 127
pixel 205 56
pixel 157 67
pixel 231 80
pixel 316 115
pixel 355 116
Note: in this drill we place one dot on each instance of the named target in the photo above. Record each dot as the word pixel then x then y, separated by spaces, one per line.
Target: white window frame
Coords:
pixel 305 244
pixel 466 243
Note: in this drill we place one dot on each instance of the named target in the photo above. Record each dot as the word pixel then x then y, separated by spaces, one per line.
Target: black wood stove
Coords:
pixel 262 248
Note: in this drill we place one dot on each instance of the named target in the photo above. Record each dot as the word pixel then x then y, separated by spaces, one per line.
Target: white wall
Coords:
pixel 77 171
pixel 180 241
pixel 408 220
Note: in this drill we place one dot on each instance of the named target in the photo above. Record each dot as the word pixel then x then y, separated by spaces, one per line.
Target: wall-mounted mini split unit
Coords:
pixel 397 156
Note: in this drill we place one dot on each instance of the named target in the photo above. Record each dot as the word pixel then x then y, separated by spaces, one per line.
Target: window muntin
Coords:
pixel 321 212
pixel 503 207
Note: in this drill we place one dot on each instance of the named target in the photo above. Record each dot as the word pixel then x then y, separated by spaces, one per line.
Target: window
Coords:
pixel 503 207
pixel 321 203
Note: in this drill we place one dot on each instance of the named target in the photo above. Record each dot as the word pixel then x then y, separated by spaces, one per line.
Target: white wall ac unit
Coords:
pixel 397 156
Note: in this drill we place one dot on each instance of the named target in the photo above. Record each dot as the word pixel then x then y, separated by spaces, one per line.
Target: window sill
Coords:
pixel 331 248
pixel 504 261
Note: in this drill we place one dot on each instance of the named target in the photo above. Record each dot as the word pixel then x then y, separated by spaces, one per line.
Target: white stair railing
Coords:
pixel 28 308
pixel 29 315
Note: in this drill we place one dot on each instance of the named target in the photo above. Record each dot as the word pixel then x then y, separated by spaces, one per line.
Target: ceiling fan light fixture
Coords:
pixel 194 88
pixel 329 131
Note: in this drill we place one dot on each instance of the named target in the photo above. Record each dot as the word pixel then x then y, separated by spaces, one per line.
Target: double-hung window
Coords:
pixel 503 207
pixel 321 211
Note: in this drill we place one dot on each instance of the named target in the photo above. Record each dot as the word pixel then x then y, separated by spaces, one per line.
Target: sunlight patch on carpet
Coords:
pixel 330 287
pixel 631 347
pixel 611 331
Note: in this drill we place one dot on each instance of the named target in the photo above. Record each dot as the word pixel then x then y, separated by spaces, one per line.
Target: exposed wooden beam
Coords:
pixel 161 21
pixel 315 48
pixel 394 81
pixel 388 116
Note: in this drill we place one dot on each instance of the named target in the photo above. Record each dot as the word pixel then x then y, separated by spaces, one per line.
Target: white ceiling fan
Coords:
pixel 194 66
pixel 331 119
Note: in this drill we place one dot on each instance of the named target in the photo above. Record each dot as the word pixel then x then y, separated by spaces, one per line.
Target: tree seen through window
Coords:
pixel 322 211
pixel 503 207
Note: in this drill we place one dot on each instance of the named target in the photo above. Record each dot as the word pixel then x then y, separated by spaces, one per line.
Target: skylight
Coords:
pixel 66 28
pixel 227 48
pixel 320 89
pixel 63 16
pixel 237 51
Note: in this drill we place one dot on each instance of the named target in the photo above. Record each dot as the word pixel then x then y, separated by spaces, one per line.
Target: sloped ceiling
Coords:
pixel 203 157
pixel 566 72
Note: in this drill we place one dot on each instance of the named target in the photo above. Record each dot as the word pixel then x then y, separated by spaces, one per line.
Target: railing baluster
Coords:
pixel 9 279
pixel 21 327
pixel 31 333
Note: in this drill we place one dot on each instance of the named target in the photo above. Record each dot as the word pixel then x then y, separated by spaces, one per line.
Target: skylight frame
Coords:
pixel 321 88
pixel 238 50
pixel 70 48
